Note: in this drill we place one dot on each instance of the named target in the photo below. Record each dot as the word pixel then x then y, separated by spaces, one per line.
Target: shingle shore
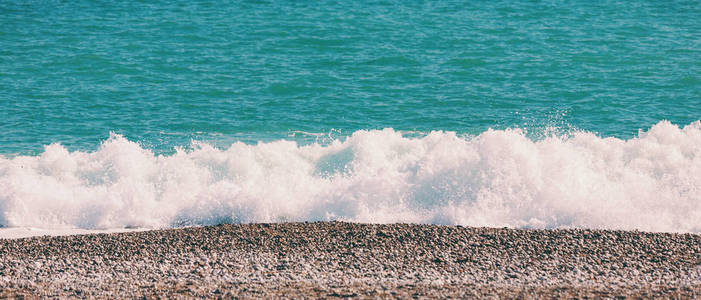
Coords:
pixel 335 259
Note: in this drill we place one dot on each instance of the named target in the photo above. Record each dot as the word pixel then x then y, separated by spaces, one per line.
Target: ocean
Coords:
pixel 521 114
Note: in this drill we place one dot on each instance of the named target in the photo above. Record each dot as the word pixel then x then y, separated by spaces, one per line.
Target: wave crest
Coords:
pixel 498 178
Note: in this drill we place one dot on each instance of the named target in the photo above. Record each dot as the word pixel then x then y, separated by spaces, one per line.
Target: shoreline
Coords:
pixel 337 259
pixel 13 233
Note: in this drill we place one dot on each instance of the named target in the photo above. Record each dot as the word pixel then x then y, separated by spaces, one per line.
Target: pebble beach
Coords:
pixel 341 260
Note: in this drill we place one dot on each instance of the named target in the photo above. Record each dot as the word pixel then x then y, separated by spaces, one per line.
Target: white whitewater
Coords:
pixel 499 178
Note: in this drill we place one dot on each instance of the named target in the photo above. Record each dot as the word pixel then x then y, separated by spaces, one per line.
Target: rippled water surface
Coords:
pixel 164 73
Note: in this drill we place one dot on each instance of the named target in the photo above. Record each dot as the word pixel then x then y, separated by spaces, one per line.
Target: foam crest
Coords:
pixel 498 178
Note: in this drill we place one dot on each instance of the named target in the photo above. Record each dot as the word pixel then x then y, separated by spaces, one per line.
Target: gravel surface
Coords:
pixel 336 259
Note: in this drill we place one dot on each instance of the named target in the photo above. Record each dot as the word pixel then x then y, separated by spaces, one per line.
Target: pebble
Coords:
pixel 341 260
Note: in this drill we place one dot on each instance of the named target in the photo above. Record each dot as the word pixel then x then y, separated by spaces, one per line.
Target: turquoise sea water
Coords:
pixel 164 73
pixel 535 114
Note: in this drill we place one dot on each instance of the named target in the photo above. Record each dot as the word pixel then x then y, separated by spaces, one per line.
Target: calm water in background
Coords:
pixel 165 73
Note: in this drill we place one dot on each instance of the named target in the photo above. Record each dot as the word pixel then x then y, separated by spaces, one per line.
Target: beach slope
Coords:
pixel 336 259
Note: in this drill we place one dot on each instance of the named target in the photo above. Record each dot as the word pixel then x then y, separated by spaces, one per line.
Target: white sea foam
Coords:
pixel 498 178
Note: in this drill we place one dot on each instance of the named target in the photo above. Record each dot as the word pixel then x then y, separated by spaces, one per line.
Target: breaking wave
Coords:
pixel 498 178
